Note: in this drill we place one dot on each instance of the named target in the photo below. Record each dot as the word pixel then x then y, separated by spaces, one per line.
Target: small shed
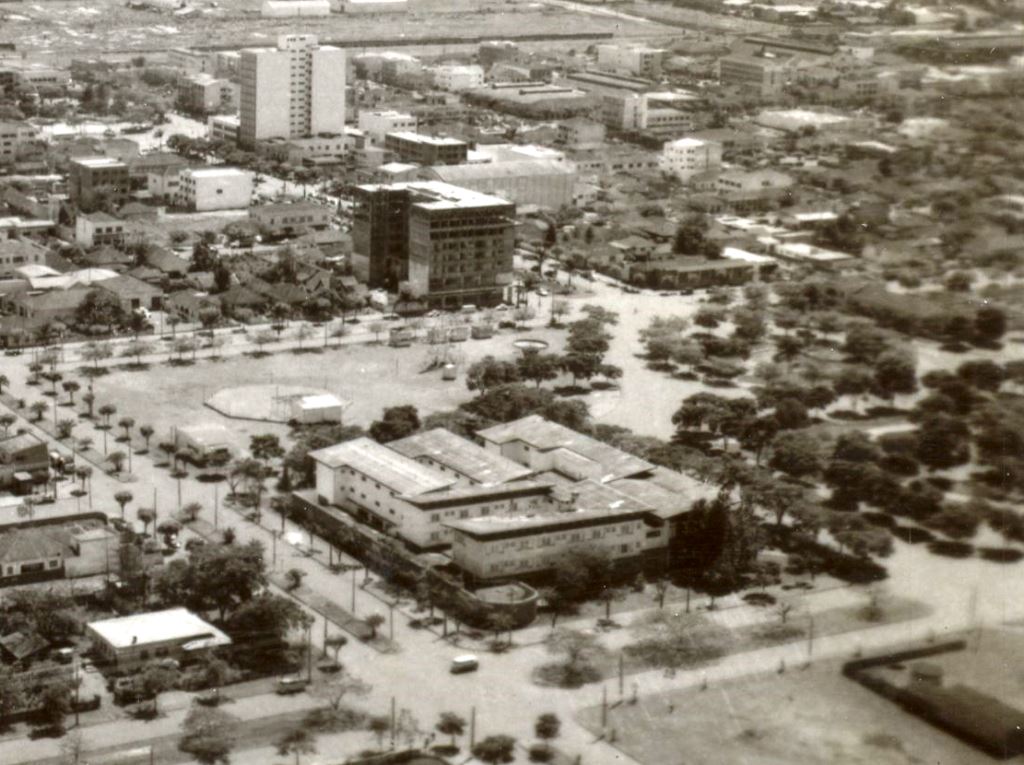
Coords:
pixel 205 443
pixel 321 407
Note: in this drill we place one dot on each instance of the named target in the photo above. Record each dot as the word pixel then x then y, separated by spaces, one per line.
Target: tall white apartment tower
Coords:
pixel 295 90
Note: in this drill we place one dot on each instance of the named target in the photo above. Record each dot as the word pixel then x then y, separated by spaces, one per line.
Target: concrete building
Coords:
pixel 279 9
pixel 192 61
pixel 412 489
pixel 96 180
pixel 215 188
pixel 15 140
pixel 657 113
pixel 377 124
pixel 425 150
pixel 543 183
pixel 206 94
pixel 764 76
pixel 581 133
pixel 323 149
pixel 24 460
pixel 452 245
pixel 291 218
pixel 457 78
pixel 224 127
pixel 131 641
pixel 638 60
pixel 688 157
pixel 92 229
pixel 295 90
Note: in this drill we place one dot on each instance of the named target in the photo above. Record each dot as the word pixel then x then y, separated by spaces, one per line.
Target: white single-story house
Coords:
pixel 176 633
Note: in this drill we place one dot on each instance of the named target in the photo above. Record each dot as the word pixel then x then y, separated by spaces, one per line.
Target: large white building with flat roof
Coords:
pixel 176 633
pixel 688 157
pixel 214 188
pixel 377 124
pixel 295 90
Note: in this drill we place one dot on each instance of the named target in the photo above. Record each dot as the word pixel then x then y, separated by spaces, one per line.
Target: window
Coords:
pixel 53 563
pixel 624 548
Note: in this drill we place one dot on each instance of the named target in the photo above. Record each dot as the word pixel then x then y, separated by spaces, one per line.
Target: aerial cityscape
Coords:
pixel 582 382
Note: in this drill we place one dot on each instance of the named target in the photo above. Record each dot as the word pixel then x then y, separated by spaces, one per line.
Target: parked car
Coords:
pixel 291 684
pixel 465 663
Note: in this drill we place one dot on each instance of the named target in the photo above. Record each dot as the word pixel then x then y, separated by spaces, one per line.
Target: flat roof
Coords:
pixel 433 140
pixel 546 436
pixel 399 473
pixel 174 624
pixel 462 455
pixel 437 195
pixel 503 526
pixel 98 162
pixel 214 172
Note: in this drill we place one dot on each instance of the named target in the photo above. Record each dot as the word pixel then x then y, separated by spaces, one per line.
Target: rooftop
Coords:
pixel 28 545
pixel 461 455
pixel 98 162
pixel 547 436
pixel 437 195
pixel 218 172
pixel 433 140
pixel 396 471
pixel 530 167
pixel 175 624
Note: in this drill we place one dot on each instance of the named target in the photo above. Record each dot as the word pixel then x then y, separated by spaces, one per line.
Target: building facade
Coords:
pixel 95 180
pixel 688 157
pixel 377 124
pixel 97 228
pixel 452 245
pixel 637 60
pixel 292 91
pixel 214 188
pixel 425 149
pixel 456 78
pixel 206 94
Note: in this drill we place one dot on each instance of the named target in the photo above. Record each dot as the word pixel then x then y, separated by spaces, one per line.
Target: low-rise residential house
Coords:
pixel 691 273
pixel 131 641
pixel 16 252
pixel 55 305
pixel 166 262
pixel 132 293
pixel 97 228
pixel 30 554
pixel 189 306
pixel 24 458
pixel 107 256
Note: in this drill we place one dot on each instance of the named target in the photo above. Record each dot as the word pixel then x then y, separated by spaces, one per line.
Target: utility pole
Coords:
pixel 604 707
pixel 391 621
pixel 621 673
pixel 393 722
pixel 472 728
pixel 216 503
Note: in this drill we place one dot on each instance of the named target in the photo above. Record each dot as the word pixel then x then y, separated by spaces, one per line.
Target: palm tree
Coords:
pixel 6 420
pixel 89 399
pixel 116 459
pixel 33 372
pixel 122 498
pixel 3 381
pixel 146 431
pixel 39 408
pixel 106 412
pixel 147 516
pixel 191 511
pixel 65 427
pixel 71 387
pixel 84 472
pixel 127 423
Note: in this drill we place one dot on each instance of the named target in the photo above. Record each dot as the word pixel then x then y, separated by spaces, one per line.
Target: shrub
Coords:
pixel 951 549
pixel 759 599
pixel 940 482
pixel 1000 554
pixel 913 535
pixel 899 464
pixel 540 753
pixel 954 521
pixel 879 519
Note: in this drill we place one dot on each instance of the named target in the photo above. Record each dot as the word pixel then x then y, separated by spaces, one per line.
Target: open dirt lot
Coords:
pixel 804 717
pixel 370 376
pixel 109 26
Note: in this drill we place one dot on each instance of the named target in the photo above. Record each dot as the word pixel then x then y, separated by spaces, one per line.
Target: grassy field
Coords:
pixel 370 376
pixel 803 717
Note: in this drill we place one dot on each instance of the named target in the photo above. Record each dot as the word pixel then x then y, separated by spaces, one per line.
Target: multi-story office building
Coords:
pixel 688 157
pixel 456 78
pixel 214 188
pixel 765 76
pixel 15 138
pixel 658 113
pixel 377 124
pixel 192 61
pixel 452 245
pixel 207 94
pixel 92 180
pixel 637 60
pixel 295 90
pixel 426 149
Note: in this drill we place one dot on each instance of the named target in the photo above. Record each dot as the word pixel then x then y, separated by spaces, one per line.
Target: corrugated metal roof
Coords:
pixel 396 471
pixel 461 455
